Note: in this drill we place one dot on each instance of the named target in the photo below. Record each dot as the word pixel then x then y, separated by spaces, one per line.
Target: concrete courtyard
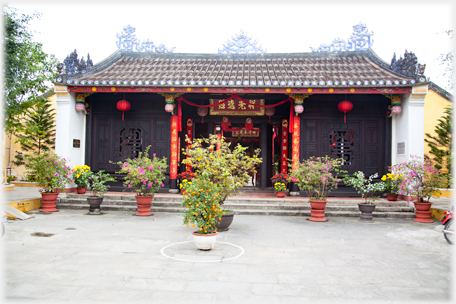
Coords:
pixel 117 257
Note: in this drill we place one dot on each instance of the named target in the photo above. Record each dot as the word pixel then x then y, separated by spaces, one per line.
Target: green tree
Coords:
pixel 441 145
pixel 27 70
pixel 37 132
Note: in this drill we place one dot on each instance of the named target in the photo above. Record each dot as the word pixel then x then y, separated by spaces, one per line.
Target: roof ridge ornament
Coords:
pixel 359 40
pixel 72 65
pixel 128 42
pixel 408 65
pixel 240 43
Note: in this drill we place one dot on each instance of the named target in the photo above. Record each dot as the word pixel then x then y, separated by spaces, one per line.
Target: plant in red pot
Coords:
pixel 392 182
pixel 81 178
pixel 421 181
pixel 145 176
pixel 317 176
pixel 50 173
pixel 368 189
pixel 280 181
pixel 185 180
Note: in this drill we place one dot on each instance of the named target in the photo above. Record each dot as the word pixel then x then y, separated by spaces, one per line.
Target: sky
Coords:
pixel 280 26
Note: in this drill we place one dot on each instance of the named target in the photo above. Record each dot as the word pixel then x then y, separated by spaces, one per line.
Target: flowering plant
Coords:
pixel 228 168
pixel 280 187
pixel 203 205
pixel 365 187
pixel 97 182
pixel 144 175
pixel 185 184
pixel 420 178
pixel 188 175
pixel 81 176
pixel 49 170
pixel 392 182
pixel 281 178
pixel 317 176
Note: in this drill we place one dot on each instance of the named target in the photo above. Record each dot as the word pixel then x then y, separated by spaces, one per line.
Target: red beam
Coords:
pixel 379 90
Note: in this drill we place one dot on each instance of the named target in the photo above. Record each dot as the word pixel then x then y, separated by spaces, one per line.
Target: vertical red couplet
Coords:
pixel 188 168
pixel 284 149
pixel 296 141
pixel 174 148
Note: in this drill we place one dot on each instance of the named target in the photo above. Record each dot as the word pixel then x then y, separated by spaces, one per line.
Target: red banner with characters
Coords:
pixel 174 148
pixel 284 149
pixel 189 133
pixel 295 142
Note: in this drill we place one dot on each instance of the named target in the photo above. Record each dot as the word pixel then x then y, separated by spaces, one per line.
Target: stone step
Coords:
pixel 270 212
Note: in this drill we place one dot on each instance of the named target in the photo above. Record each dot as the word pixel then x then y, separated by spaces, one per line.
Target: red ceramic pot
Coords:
pixel 143 203
pixel 317 211
pixel 280 193
pixel 81 190
pixel 49 202
pixel 392 197
pixel 423 212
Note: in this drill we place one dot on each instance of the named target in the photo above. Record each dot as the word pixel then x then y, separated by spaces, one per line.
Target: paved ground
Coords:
pixel 117 257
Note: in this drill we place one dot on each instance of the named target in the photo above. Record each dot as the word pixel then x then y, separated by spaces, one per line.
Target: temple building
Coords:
pixel 340 100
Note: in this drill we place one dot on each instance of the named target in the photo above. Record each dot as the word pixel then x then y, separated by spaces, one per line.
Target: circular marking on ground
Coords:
pixel 187 252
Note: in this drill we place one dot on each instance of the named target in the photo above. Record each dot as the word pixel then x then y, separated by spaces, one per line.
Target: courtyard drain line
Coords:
pixel 202 256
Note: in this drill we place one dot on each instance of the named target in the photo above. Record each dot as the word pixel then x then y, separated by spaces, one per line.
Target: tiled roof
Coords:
pixel 440 91
pixel 342 69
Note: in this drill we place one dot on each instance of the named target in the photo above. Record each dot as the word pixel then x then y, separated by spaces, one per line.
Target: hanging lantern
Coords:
pixel 345 106
pixel 169 107
pixel 396 109
pixel 299 108
pixel 123 105
pixel 202 111
pixel 269 112
pixel 80 106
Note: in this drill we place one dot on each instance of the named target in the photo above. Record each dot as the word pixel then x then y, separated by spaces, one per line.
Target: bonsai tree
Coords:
pixel 366 187
pixel 143 174
pixel 97 183
pixel 202 203
pixel 228 168
pixel 50 171
pixel 317 176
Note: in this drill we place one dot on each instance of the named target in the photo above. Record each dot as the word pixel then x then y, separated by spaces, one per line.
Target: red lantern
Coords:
pixel 202 111
pixel 123 105
pixel 345 106
pixel 269 112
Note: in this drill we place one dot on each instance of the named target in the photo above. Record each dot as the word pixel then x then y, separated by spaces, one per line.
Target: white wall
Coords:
pixel 408 126
pixel 70 124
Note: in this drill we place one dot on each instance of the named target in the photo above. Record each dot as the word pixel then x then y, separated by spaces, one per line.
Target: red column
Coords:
pixel 189 137
pixel 284 149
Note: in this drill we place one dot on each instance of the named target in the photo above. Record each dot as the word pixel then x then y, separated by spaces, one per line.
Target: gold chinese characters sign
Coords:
pixel 235 106
pixel 254 132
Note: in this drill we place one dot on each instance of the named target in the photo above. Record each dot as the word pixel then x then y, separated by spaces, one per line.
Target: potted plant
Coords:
pixel 185 180
pixel 203 211
pixel 367 188
pixel 228 168
pixel 145 176
pixel 280 189
pixel 81 178
pixel 317 176
pixel 420 181
pixel 97 183
pixel 50 173
pixel 392 182
pixel 280 181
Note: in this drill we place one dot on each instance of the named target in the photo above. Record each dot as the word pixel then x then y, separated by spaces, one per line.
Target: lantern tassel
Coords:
pixel 345 119
pixel 123 115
